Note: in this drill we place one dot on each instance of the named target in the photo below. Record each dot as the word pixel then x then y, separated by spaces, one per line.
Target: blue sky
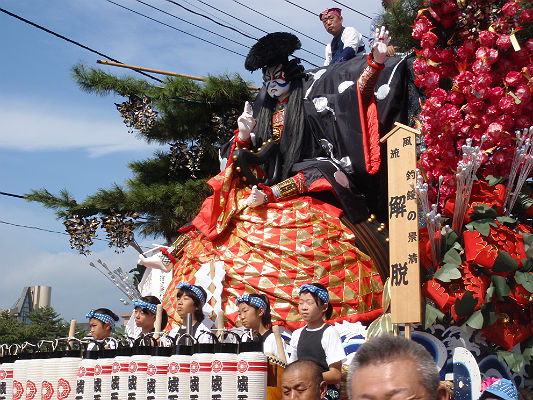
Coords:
pixel 55 136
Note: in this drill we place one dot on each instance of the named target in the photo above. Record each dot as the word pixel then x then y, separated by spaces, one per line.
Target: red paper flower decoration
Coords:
pixel 513 326
pixel 484 250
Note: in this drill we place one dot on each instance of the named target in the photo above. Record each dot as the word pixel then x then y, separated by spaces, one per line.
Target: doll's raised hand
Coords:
pixel 246 122
pixel 381 44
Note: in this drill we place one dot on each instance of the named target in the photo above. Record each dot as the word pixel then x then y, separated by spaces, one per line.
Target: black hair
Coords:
pixel 272 49
pixel 319 302
pixel 106 311
pixel 291 141
pixel 198 314
pixel 154 300
pixel 266 318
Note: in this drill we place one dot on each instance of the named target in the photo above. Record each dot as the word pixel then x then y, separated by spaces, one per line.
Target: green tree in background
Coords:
pixel 398 16
pixel 45 324
pixel 167 189
pixel 11 329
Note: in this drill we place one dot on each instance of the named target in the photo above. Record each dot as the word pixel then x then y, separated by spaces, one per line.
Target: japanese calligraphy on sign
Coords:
pixel 403 225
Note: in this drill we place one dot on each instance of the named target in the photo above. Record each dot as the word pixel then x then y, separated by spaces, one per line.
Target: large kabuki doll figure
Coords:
pixel 290 206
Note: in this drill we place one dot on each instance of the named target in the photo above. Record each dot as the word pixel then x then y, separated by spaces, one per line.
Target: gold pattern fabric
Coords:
pixel 276 248
pixel 288 188
pixel 179 244
pixel 277 124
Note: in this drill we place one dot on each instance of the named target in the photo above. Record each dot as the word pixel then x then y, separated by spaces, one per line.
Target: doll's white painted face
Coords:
pixel 276 85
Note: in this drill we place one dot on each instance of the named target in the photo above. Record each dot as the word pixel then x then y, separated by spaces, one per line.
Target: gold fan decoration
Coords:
pixel 186 156
pixel 81 231
pixel 224 126
pixel 137 113
pixel 476 16
pixel 119 229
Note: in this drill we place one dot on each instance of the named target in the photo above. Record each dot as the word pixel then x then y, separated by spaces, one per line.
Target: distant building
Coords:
pixel 31 299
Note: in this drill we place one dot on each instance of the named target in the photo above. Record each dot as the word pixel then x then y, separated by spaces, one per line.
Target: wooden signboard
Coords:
pixel 403 225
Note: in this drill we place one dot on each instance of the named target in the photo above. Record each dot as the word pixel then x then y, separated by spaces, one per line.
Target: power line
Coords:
pixel 211 19
pixel 71 41
pixel 282 24
pixel 353 9
pixel 314 13
pixel 302 8
pixel 36 228
pixel 51 231
pixel 238 19
pixel 190 23
pixel 229 15
pixel 12 195
pixel 214 16
pixel 173 27
pixel 230 27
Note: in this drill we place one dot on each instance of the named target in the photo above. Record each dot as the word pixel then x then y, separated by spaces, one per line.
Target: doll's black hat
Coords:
pixel 272 49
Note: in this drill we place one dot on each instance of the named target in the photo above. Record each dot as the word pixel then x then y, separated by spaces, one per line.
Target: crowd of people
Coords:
pixel 385 367
pixel 318 341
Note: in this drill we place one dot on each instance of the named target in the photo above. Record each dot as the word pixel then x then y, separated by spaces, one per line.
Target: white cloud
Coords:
pixel 76 286
pixel 29 126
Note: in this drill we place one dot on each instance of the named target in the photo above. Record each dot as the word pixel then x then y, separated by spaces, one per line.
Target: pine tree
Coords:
pixel 45 324
pixel 11 329
pixel 398 16
pixel 167 189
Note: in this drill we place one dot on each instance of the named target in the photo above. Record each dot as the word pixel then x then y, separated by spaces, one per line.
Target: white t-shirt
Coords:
pixel 270 346
pixel 108 343
pixel 350 37
pixel 202 338
pixel 331 343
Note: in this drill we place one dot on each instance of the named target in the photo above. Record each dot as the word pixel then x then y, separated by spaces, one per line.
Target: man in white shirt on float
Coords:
pixel 347 41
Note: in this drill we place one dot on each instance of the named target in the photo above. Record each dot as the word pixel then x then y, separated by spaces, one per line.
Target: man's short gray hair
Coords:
pixel 383 349
pixel 311 366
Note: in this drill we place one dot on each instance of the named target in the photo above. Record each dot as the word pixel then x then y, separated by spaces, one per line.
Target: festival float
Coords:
pixel 456 214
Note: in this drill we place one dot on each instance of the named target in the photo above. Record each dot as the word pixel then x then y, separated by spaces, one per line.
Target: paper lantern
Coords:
pixel 102 374
pixel 120 373
pixel 252 375
pixel 137 373
pixel 6 376
pixel 156 374
pixel 85 383
pixel 65 386
pixel 178 378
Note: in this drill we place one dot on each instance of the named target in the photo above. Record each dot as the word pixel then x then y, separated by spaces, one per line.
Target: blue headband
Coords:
pixel 252 300
pixel 321 293
pixel 102 317
pixel 143 305
pixel 192 288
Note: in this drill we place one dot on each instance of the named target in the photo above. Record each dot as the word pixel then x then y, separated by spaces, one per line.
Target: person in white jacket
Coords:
pixel 346 42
